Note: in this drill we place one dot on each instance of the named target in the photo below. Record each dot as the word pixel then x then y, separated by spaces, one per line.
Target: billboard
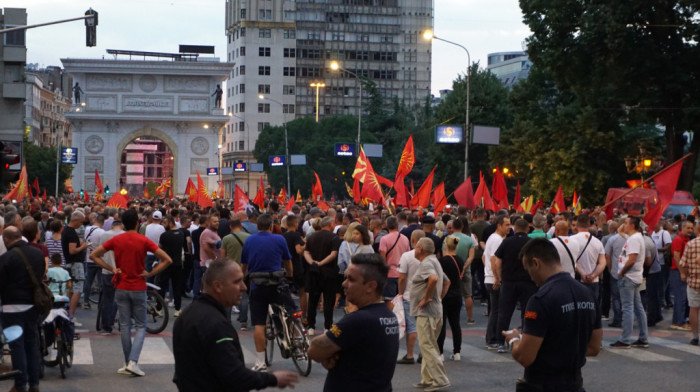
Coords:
pixel 297 160
pixel 276 160
pixel 212 171
pixel 69 155
pixel 486 135
pixel 344 149
pixel 239 167
pixel 449 134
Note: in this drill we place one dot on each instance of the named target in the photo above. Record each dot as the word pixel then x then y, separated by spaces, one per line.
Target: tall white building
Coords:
pixel 280 47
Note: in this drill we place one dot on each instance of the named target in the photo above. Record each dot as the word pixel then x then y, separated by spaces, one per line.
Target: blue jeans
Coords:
pixel 616 305
pixel 243 307
pixel 680 297
pixel 25 350
pixel 132 304
pixel 410 320
pixel 92 271
pixel 109 305
pixel 632 307
pixel 197 285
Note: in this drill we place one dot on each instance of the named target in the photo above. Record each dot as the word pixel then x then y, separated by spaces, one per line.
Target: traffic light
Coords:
pixel 7 173
pixel 91 28
pixel 106 189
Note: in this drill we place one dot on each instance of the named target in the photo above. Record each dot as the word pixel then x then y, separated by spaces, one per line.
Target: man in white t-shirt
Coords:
pixel 590 262
pixel 153 232
pixel 92 237
pixel 631 264
pixel 492 244
pixel 408 265
pixel 566 248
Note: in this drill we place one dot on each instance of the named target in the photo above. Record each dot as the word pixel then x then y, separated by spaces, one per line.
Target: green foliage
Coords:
pixel 41 163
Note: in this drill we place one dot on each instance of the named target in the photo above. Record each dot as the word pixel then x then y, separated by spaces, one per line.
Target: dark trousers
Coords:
pixel 478 287
pixel 451 307
pixel 197 281
pixel 492 326
pixel 171 275
pixel 92 271
pixel 108 303
pixel 326 285
pixel 605 293
pixel 187 265
pixel 665 275
pixel 654 297
pixel 25 350
pixel 510 294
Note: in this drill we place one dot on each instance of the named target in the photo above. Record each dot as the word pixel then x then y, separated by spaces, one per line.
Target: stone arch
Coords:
pixel 150 132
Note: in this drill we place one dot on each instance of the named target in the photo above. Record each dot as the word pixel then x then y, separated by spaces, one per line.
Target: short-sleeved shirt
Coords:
pixel 369 342
pixel 293 238
pixel 566 258
pixel 92 235
pixel 690 262
pixel 477 228
pixel 429 266
pixel 512 269
pixel 538 233
pixel 564 313
pixel 634 245
pixel 386 244
pixel 208 238
pixel 173 243
pixel 588 255
pixel 408 264
pixel 264 252
pixel 492 244
pixel 232 243
pixel 130 257
pixel 320 244
pixel 153 232
pixel 678 245
pixel 661 239
pixel 653 253
pixel 70 236
pixel 55 246
pixel 60 277
pixel 463 246
pixel 613 248
pixel 452 267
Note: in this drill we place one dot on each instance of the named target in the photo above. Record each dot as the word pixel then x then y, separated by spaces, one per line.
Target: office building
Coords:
pixel 509 67
pixel 13 57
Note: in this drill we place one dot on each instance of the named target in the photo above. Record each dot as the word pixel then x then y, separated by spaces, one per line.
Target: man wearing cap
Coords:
pixel 153 233
pixel 428 223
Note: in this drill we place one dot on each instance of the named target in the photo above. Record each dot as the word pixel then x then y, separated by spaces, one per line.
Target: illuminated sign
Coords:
pixel 449 134
pixel 239 167
pixel 69 155
pixel 212 171
pixel 344 149
pixel 277 160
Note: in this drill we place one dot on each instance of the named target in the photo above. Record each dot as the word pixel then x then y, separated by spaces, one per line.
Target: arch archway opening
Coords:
pixel 145 159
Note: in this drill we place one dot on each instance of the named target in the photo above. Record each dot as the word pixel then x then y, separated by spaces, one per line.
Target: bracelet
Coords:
pixel 515 339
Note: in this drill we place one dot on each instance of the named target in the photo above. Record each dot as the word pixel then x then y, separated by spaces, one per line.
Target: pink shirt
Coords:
pixel 392 258
pixel 208 239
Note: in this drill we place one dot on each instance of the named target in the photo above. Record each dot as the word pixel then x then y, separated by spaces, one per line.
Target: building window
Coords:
pixel 242 31
pixel 242 69
pixel 264 70
pixel 241 107
pixel 263 108
pixel 288 89
pixel 265 14
pixel 310 72
pixel 263 89
pixel 242 89
pixel 363 37
pixel 241 145
pixel 265 33
pixel 288 108
pixel 243 13
pixel 290 52
pixel 310 53
pixel 262 125
pixel 409 56
pixel 241 124
pixel 386 39
pixel 410 38
pixel 14 38
pixel 263 52
pixel 289 71
pixel 338 37
pixel 314 35
pixel 242 50
pixel 289 34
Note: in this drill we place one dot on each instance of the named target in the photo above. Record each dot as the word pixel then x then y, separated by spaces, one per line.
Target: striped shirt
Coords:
pixel 54 246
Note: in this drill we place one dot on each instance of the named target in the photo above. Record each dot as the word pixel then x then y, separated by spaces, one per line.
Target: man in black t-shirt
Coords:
pixel 296 248
pixel 173 242
pixel 561 327
pixel 74 253
pixel 360 350
pixel 321 254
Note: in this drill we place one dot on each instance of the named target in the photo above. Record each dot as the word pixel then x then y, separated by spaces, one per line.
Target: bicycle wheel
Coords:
pixel 61 354
pixel 156 320
pixel 69 351
pixel 95 290
pixel 300 345
pixel 270 334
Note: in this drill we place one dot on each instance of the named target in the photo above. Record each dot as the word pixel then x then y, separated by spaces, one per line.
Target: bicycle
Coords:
pixel 57 331
pixel 156 319
pixel 8 335
pixel 290 334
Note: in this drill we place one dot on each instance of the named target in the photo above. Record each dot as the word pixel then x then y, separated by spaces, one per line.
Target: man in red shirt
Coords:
pixel 678 287
pixel 129 255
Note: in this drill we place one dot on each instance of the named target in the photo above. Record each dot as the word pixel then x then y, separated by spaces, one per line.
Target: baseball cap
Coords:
pixel 157 215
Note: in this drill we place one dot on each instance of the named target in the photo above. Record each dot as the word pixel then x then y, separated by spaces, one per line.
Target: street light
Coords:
pixel 248 144
pixel 317 85
pixel 335 66
pixel 428 35
pixel 286 140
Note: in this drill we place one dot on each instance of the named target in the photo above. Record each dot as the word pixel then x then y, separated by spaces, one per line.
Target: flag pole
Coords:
pixel 645 181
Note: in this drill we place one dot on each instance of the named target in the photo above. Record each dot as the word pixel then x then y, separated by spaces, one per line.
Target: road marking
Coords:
pixel 82 352
pixel 672 344
pixel 640 354
pixel 156 352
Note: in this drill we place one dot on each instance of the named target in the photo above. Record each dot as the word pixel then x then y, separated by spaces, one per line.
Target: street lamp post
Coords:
pixel 286 140
pixel 317 86
pixel 335 66
pixel 428 35
pixel 248 146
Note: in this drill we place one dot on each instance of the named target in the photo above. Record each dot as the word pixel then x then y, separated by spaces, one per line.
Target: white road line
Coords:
pixel 680 346
pixel 640 354
pixel 82 352
pixel 156 352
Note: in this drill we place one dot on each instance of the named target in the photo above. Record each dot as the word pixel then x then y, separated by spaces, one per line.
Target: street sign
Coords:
pixel 297 160
pixel 277 160
pixel 373 150
pixel 257 167
pixel 212 171
pixel 69 155
pixel 345 149
pixel 449 134
pixel 239 167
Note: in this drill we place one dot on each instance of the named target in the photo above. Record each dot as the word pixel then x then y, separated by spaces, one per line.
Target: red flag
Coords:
pixel 36 185
pixel 163 188
pixel 69 189
pixel 666 182
pixel 371 188
pixel 117 201
pixel 401 198
pixel 413 190
pixel 558 203
pixel 31 196
pixel 438 199
pixel 220 192
pixel 498 187
pixel 260 196
pixel 191 190
pixel 422 197
pixel 408 159
pixel 21 189
pixel 282 197
pixel 240 200
pixel 516 199
pixel 146 193
pixel 203 199
pixel 87 196
pixel 356 191
pixel 291 204
pixel 653 214
pixel 317 189
pixel 60 205
pixel 534 208
pixel 503 204
pixel 299 200
pixel 360 166
pixel 98 183
pixel 323 205
pixel 482 194
pixel 43 198
pixel 464 194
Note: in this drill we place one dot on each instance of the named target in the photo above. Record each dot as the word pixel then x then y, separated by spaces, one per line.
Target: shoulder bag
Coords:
pixel 43 297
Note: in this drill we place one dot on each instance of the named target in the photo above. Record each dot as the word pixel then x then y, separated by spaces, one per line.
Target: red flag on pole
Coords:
pixel 534 208
pixel 36 185
pixel 408 159
pixel 464 194
pixel 240 200
pixel 191 190
pixel 558 203
pixel 290 204
pixel 356 191
pixel 317 189
pixel 21 189
pixel 438 199
pixel 43 198
pixel 516 199
pixel 146 193
pixel 498 187
pixel 260 196
pixel 400 187
pixel 117 201
pixel 653 214
pixel 203 199
pixel 371 189
pixel 666 183
pixel 323 205
pixel 422 197
pixel 98 183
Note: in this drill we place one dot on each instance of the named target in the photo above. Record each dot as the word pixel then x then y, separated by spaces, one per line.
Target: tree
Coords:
pixel 41 163
pixel 630 62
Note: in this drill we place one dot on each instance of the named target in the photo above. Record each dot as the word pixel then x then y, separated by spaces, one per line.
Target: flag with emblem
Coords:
pixel 360 166
pixel 191 190
pixel 21 189
pixel 576 202
pixel 98 183
pixel 408 159
pixel 290 204
pixel 299 199
pixel 348 189
pixel 371 189
pixel 203 199
pixel 526 205
pixel 282 197
pixel 117 201
pixel 146 193
pixel 241 200
pixel 162 189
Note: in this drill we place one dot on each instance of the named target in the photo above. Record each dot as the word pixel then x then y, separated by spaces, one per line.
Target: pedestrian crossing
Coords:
pixel 158 351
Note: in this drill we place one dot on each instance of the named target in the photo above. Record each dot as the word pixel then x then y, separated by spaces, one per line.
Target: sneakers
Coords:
pixel 86 305
pixel 684 327
pixel 406 361
pixel 492 346
pixel 456 357
pixel 122 370
pixel 177 313
pixel 134 369
pixel 471 322
pixel 620 344
pixel 76 323
pixel 244 327
pixel 259 367
pixel 502 349
pixel 436 388
pixel 235 310
pixel 641 344
pixel 694 342
pixel 311 332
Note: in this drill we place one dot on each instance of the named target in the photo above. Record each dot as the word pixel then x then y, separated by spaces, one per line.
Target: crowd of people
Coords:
pixel 357 259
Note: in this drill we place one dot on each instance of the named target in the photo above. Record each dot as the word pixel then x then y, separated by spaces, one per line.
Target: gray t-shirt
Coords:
pixel 429 266
pixel 613 248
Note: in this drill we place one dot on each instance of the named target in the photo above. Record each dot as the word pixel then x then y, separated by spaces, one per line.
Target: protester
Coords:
pixel 453 267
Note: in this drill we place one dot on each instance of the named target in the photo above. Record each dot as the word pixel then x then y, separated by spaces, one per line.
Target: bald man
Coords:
pixel 567 248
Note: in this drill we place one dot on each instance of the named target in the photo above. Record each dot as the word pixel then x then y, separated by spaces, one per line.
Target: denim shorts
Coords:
pixel 410 320
pixel 77 274
pixel 391 289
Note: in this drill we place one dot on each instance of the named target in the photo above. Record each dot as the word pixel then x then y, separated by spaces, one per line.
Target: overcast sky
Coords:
pixel 483 26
